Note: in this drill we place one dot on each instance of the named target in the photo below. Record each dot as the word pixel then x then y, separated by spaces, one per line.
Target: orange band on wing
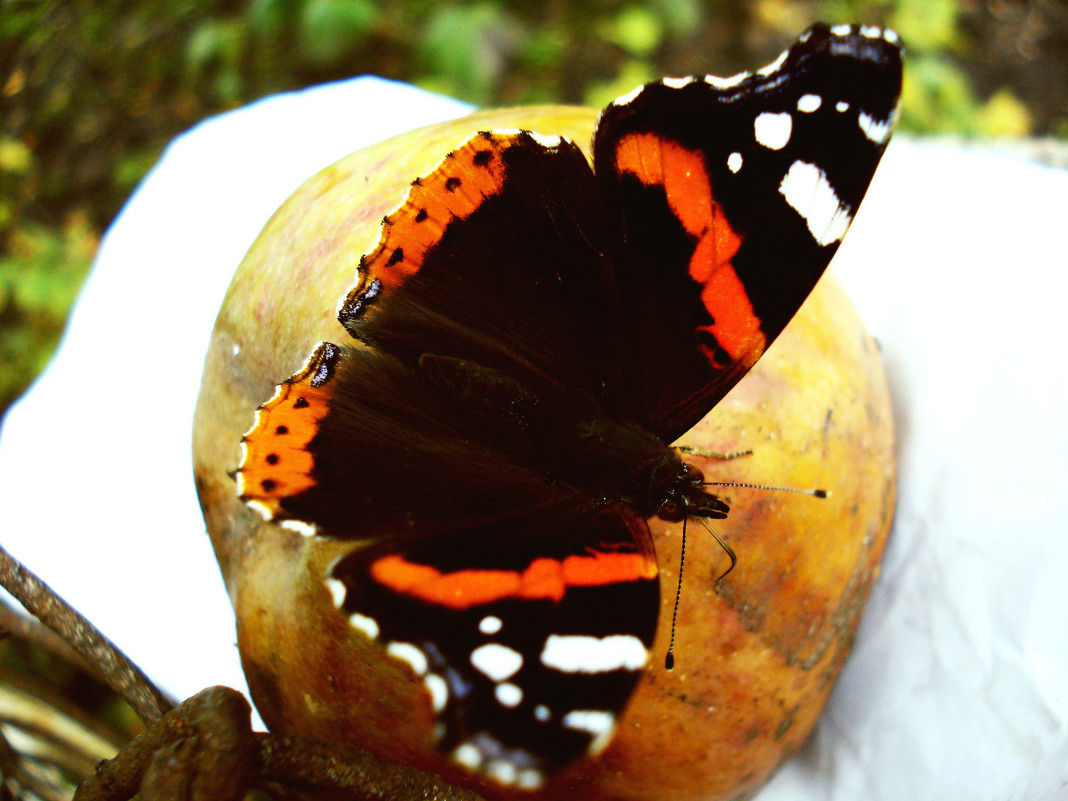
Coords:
pixel 688 189
pixel 546 579
pixel 735 327
pixel 453 190
pixel 275 461
pixel 660 162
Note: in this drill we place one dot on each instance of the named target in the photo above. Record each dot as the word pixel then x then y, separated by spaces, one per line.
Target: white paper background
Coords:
pixel 958 685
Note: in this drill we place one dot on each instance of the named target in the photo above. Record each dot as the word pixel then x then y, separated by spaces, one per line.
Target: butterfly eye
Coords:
pixel 670 511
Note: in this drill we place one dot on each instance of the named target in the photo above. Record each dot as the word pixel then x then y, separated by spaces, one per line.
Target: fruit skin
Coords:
pixel 756 654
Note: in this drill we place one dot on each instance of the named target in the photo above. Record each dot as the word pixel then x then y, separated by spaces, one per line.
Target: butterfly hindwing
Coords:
pixel 526 662
pixel 501 593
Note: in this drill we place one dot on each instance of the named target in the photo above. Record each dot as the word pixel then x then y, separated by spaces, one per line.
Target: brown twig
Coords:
pixel 218 717
pixel 106 659
pixel 26 628
pixel 205 747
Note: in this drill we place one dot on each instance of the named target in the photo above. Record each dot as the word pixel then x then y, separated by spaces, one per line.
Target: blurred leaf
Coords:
pixel 132 167
pixel 788 18
pixel 1003 115
pixel 332 29
pixel 678 17
pixel 466 48
pixel 544 49
pixel 215 50
pixel 15 157
pixel 927 25
pixel 636 29
pixel 866 11
pixel 267 18
pixel 936 98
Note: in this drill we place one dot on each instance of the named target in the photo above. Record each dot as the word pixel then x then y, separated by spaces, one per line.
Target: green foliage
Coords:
pixel 463 47
pixel 92 90
pixel 40 275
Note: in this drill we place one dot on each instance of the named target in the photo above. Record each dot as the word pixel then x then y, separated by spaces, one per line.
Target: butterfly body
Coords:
pixel 527 339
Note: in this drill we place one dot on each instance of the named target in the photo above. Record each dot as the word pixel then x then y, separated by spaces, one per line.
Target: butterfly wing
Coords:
pixel 527 662
pixel 502 256
pixel 730 196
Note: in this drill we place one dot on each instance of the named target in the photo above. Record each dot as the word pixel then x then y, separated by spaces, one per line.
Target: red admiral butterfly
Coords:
pixel 530 335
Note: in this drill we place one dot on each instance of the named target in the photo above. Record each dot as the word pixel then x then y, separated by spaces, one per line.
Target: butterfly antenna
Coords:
pixel 669 660
pixel 813 493
pixel 723 457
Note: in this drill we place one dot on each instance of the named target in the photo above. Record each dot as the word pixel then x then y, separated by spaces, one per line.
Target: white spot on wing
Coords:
pixel 259 508
pixel 596 722
pixel 871 32
pixel 501 771
pixel 529 779
pixel 810 194
pixel 468 755
pixel 438 690
pixel 585 654
pixel 495 661
pixel 547 141
pixel 774 66
pixel 508 694
pixel 842 30
pixel 891 36
pixel 772 130
pixel 299 526
pixel 367 625
pixel 877 131
pixel 629 97
pixel 678 83
pixel 337 591
pixel 841 106
pixel 490 624
pixel 410 655
pixel 808 103
pixel 726 83
pixel 542 713
pixel 734 161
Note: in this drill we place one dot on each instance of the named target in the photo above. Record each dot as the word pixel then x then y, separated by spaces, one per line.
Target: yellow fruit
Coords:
pixel 756 654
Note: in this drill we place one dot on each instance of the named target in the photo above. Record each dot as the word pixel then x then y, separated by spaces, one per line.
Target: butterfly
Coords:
pixel 528 337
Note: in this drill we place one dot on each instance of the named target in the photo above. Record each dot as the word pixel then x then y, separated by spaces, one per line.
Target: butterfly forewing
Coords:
pixel 727 199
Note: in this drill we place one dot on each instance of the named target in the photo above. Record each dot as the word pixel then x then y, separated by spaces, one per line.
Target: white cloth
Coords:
pixel 958 684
